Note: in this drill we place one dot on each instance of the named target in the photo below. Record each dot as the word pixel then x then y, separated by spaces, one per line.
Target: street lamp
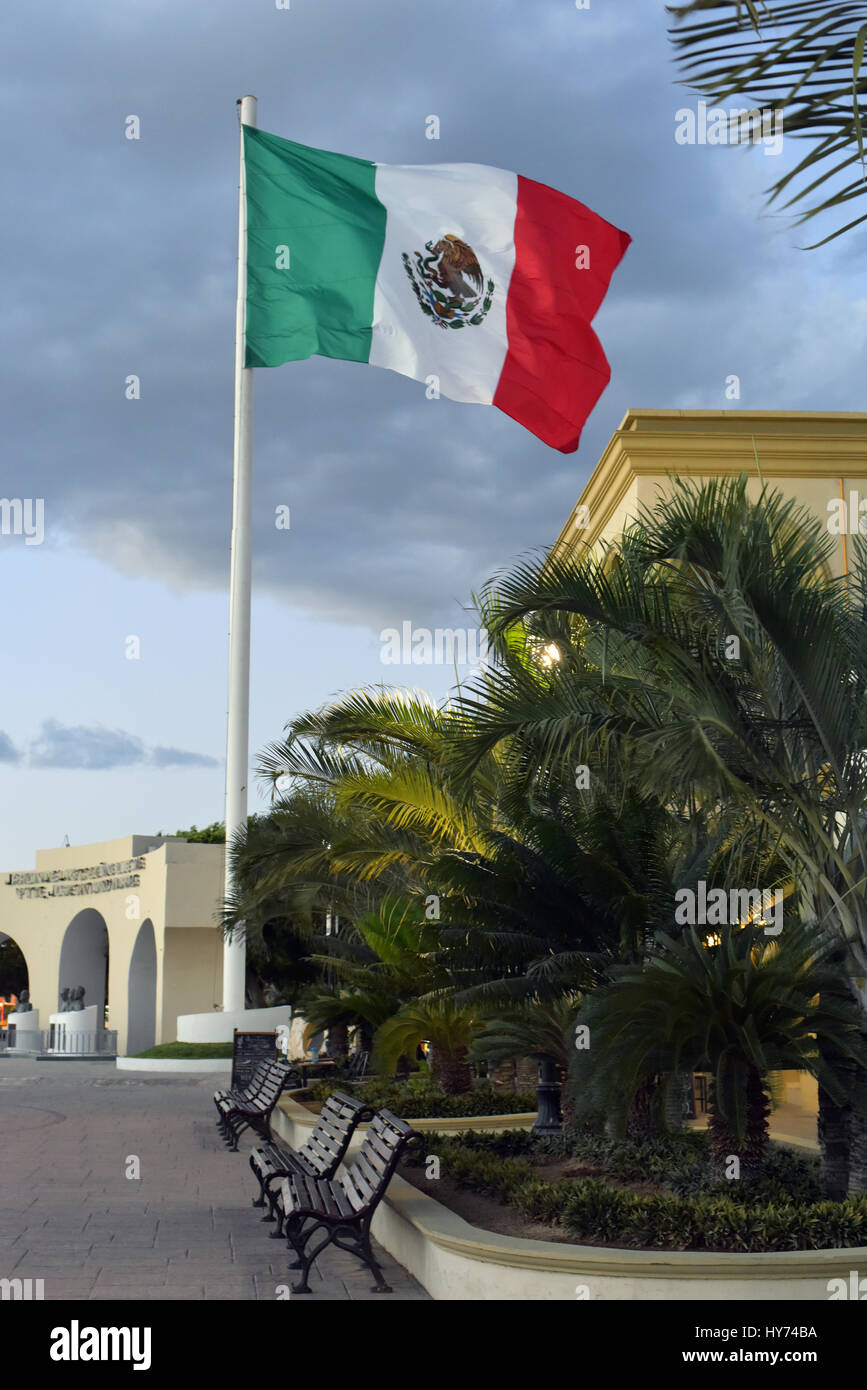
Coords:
pixel 549 1116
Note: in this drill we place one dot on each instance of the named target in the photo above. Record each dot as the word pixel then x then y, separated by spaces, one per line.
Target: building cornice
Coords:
pixel 706 443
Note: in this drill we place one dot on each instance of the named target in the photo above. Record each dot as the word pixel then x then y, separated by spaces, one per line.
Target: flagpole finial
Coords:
pixel 248 109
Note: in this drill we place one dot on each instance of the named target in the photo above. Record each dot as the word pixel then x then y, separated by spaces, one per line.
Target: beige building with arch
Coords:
pixel 132 920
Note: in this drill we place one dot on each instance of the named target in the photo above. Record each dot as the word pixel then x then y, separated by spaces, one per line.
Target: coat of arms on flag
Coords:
pixel 449 284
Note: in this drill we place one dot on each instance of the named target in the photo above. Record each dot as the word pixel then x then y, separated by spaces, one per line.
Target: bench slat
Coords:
pixel 374 1144
pixel 355 1194
pixel 373 1179
pixel 331 1128
pixel 321 1163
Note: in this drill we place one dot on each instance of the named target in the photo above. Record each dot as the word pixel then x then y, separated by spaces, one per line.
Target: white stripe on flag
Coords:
pixel 424 203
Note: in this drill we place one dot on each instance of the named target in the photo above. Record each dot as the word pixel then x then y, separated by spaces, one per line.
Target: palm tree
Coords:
pixel 446 1025
pixel 537 1028
pixel 803 63
pixel 511 888
pixel 380 755
pixel 383 962
pixel 740 1008
pixel 284 867
pixel 711 656
pixel 533 896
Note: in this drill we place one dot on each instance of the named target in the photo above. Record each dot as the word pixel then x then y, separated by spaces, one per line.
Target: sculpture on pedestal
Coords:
pixel 24 1005
pixel 71 999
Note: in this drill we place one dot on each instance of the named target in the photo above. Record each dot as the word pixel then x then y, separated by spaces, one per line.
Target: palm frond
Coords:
pixel 802 64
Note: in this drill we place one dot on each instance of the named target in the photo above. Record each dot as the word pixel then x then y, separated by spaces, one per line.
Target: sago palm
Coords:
pixel 538 1028
pixel 446 1025
pixel 386 960
pixel 741 1009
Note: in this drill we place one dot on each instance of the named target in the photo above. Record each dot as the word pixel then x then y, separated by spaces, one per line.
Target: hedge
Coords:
pixel 762 1217
pixel 422 1100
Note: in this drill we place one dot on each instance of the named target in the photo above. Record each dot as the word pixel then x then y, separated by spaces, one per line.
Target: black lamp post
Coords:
pixel 549 1116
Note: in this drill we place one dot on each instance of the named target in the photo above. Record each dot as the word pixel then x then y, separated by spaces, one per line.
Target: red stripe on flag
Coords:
pixel 555 369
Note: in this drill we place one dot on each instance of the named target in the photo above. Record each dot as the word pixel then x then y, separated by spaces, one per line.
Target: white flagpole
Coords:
pixel 238 719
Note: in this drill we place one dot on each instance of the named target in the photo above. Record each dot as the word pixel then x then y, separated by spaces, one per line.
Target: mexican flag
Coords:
pixel 476 281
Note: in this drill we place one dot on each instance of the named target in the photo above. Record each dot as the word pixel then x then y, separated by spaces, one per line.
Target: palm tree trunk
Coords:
pixel 644 1121
pixel 858 1117
pixel 858 1138
pixel 758 1129
pixel 833 1131
pixel 253 995
pixel 450 1070
pixel 338 1040
pixel 724 1146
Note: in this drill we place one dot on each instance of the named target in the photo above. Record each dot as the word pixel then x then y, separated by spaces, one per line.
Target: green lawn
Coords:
pixel 179 1049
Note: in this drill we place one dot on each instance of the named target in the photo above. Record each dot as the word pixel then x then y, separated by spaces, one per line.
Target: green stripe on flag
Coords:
pixel 324 209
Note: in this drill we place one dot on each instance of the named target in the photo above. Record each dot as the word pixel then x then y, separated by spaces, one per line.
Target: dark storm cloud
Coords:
pixel 96 749
pixel 124 264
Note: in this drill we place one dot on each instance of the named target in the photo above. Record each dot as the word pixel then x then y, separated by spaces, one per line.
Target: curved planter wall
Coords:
pixel 456 1261
pixel 176 1064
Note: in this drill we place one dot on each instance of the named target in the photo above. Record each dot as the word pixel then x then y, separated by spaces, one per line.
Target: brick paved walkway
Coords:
pixel 184 1230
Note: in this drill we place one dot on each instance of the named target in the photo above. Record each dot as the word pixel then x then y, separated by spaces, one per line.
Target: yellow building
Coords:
pixel 820 457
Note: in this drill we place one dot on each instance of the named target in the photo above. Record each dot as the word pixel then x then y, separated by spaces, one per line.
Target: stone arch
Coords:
pixel 142 992
pixel 6 984
pixel 84 958
pixel 12 981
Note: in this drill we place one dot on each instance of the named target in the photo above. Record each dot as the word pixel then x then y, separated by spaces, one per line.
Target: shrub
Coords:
pixel 183 1049
pixel 759 1216
pixel 510 1143
pixel 656 1159
pixel 421 1099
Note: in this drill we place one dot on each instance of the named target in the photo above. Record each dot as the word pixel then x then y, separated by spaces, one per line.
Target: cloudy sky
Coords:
pixel 119 259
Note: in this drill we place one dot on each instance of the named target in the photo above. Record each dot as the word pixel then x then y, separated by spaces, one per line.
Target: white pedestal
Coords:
pixel 27 1035
pixel 219 1026
pixel 74 1033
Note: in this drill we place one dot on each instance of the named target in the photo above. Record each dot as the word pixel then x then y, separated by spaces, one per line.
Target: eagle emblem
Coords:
pixel 448 283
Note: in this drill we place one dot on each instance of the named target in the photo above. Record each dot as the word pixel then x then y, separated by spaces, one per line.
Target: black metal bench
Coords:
pixel 319 1157
pixel 242 1094
pixel 255 1114
pixel 341 1209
